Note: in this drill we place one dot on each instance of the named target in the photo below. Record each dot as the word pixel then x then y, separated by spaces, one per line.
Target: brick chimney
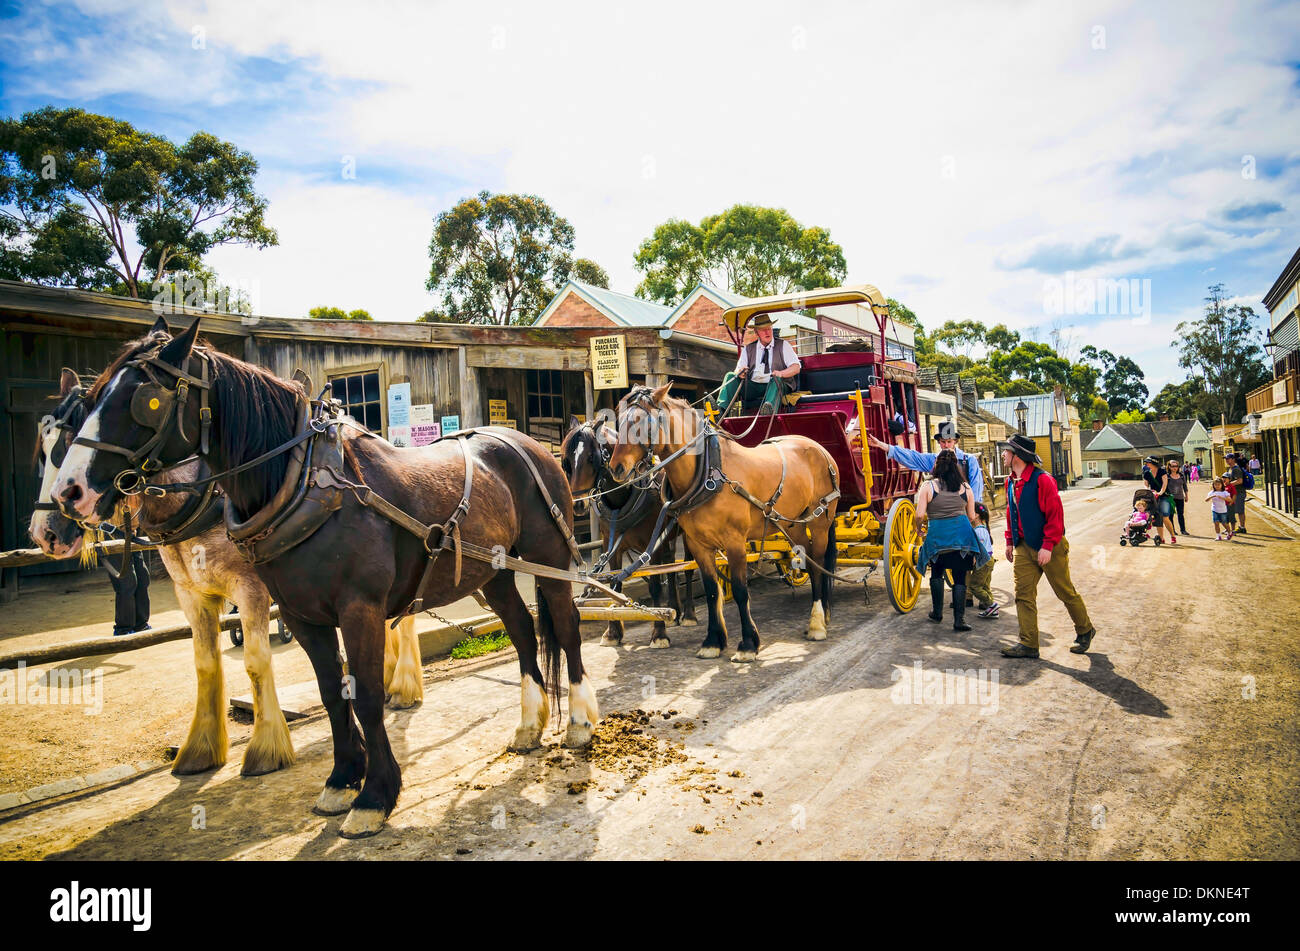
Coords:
pixel 1098 425
pixel 990 395
pixel 1164 417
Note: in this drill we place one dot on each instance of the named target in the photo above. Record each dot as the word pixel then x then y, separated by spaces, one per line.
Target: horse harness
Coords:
pixel 314 482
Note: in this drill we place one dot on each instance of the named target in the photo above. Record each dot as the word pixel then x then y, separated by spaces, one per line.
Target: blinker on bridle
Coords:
pixel 159 407
pixel 60 451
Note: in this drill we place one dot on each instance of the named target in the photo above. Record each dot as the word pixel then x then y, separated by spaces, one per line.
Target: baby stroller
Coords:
pixel 1137 534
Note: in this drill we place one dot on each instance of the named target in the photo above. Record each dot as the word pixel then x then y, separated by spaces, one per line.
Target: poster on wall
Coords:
pixel 609 362
pixel 399 405
pixel 450 424
pixel 400 436
pixel 422 414
pixel 509 424
pixel 981 432
pixel 997 432
pixel 424 433
pixel 496 412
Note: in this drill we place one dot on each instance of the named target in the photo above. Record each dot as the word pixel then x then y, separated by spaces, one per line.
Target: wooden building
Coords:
pixel 436 376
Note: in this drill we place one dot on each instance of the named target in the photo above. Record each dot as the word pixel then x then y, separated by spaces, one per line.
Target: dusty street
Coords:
pixel 1177 737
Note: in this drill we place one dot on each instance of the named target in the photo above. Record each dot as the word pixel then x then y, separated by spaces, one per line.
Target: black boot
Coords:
pixel 959 608
pixel 936 595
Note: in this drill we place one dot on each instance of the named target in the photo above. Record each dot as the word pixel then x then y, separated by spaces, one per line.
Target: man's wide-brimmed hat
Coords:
pixel 946 431
pixel 1021 446
pixel 762 320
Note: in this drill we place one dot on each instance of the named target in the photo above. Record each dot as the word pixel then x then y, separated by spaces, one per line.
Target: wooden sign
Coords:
pixel 609 362
pixel 496 411
pixel 981 432
pixel 997 432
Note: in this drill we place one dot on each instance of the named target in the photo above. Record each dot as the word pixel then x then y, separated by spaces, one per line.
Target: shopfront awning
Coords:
pixel 1281 417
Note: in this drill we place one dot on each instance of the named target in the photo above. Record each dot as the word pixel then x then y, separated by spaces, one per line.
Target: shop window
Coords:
pixel 545 392
pixel 361 393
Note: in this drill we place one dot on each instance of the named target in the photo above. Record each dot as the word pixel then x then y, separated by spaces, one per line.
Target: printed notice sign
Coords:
pixel 400 436
pixel 422 414
pixel 450 424
pixel 981 432
pixel 424 433
pixel 399 404
pixel 609 362
pixel 496 411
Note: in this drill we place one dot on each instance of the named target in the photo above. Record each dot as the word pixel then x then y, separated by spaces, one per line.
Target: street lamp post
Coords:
pixel 1022 413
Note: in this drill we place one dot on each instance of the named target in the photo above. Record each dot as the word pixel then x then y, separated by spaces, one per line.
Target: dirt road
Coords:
pixel 1176 737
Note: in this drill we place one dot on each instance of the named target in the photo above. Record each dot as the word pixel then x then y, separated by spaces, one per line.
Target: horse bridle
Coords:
pixel 78 394
pixel 159 407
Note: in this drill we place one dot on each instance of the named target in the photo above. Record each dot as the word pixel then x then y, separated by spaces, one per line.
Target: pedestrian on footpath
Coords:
pixel 1255 467
pixel 1157 480
pixel 978 581
pixel 1236 476
pixel 1177 494
pixel 1219 499
pixel 1036 546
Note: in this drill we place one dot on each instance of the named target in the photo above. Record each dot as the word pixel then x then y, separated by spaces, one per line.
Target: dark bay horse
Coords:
pixel 797 472
pixel 584 458
pixel 358 568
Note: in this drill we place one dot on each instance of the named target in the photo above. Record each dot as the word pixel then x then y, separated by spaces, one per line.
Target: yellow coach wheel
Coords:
pixel 902 545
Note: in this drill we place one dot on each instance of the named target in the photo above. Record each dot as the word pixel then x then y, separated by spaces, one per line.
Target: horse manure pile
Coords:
pixel 621 743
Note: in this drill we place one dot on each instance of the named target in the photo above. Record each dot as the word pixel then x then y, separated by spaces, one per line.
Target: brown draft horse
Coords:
pixel 206 571
pixel 584 458
pixel 358 568
pixel 651 422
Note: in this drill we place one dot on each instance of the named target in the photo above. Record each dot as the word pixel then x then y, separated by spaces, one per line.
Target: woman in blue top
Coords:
pixel 945 506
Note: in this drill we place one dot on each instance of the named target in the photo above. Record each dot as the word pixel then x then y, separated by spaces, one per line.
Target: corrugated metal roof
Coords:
pixel 1037 422
pixel 633 311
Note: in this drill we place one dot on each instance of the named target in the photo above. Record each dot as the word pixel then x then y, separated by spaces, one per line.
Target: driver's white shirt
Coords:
pixel 757 374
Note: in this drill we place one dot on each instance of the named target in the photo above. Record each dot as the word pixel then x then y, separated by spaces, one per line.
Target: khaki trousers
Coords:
pixel 1027 574
pixel 977 583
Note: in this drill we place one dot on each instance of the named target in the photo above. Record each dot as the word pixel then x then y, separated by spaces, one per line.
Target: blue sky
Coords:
pixel 967 157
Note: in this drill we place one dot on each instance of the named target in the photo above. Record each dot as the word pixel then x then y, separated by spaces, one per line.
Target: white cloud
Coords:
pixel 936 141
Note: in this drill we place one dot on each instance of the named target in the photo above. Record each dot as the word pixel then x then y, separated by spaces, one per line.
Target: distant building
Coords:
pixel 1116 450
pixel 1273 410
pixel 1052 423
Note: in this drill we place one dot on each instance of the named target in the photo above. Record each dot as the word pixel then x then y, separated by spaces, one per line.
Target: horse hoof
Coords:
pixel 578 735
pixel 362 822
pixel 661 642
pixel 744 657
pixel 687 622
pixel 607 641
pixel 815 635
pixel 194 766
pixel 334 802
pixel 525 740
pixel 708 653
pixel 398 702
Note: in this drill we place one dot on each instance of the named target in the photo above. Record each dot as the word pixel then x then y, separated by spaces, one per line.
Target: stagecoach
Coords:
pixel 853 382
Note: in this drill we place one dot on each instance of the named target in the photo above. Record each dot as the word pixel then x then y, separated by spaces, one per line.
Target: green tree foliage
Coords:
pixel 1224 348
pixel 1186 400
pixel 92 201
pixel 198 289
pixel 1137 415
pixel 1121 379
pixel 497 259
pixel 960 336
pixel 338 313
pixel 998 337
pixel 747 249
pixel 589 272
pixel 433 316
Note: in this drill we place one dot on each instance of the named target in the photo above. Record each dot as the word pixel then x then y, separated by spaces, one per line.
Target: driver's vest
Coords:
pixel 778 354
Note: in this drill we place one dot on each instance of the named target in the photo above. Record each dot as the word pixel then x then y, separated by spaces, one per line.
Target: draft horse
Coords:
pixel 717 486
pixel 627 516
pixel 361 561
pixel 207 570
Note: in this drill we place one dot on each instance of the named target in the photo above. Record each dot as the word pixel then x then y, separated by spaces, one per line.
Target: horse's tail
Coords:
pixel 549 661
pixel 832 557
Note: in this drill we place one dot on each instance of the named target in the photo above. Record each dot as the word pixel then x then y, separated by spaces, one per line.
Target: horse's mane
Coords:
pixel 646 392
pixel 258 412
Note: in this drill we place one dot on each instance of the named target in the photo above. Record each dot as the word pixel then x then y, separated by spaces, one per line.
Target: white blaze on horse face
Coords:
pixel 40 522
pixel 76 465
pixel 577 456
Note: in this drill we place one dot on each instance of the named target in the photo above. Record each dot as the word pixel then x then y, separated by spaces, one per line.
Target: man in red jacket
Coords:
pixel 1036 546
